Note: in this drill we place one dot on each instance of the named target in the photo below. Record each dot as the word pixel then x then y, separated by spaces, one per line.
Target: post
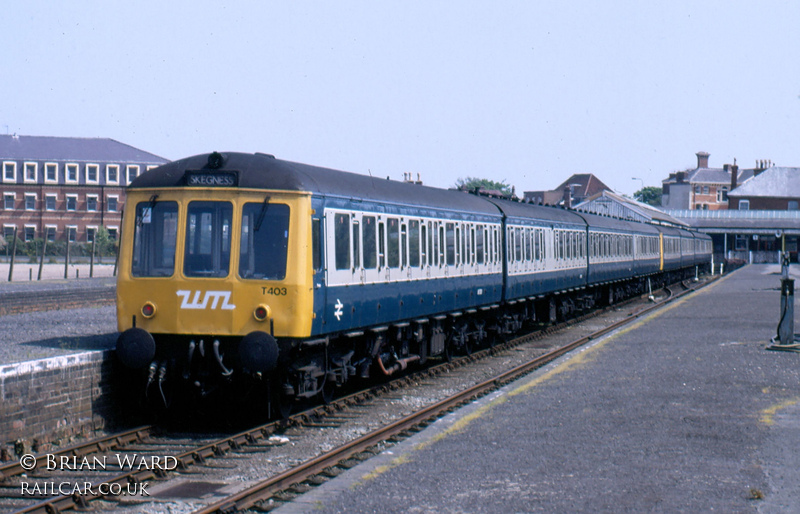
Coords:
pixel 785 339
pixel 786 327
pixel 91 259
pixel 41 260
pixel 13 255
pixel 66 259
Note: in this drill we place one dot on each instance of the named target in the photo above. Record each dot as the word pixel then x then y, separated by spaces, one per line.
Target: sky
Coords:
pixel 519 91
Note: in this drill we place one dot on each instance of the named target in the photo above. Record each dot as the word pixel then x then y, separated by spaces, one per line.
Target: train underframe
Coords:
pixel 191 369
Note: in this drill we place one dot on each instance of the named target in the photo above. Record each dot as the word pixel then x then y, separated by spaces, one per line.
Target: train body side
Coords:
pixel 386 263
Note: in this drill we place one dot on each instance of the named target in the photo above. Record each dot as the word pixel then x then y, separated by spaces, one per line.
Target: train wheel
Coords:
pixel 328 392
pixel 284 403
pixel 448 351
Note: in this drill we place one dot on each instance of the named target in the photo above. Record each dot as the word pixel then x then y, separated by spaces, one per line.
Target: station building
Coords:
pixel 66 188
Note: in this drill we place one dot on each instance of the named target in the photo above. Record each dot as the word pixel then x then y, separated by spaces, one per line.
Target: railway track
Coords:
pixel 37 299
pixel 284 475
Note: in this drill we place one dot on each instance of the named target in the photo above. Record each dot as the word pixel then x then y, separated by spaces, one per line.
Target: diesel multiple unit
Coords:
pixel 288 280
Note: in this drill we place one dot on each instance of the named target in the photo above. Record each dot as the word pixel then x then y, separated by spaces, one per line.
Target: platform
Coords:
pixel 684 411
pixel 55 366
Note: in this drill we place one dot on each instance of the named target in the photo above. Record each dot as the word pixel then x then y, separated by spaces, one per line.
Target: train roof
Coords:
pixel 606 222
pixel 263 171
pixel 514 209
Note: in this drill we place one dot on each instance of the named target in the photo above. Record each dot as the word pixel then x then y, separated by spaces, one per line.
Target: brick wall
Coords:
pixel 54 400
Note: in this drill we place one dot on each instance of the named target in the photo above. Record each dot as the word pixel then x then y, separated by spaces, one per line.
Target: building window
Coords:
pixel 90 232
pixel 740 244
pixel 697 206
pixel 792 205
pixel 9 199
pixel 30 202
pixel 72 233
pixel 30 172
pixel 91 203
pixel 697 190
pixel 112 233
pixel 722 194
pixel 705 206
pixel 133 172
pixel 50 232
pixel 9 172
pixel 51 173
pixel 50 202
pixel 71 173
pixel 30 233
pixel 92 174
pixel 744 205
pixel 705 190
pixel 8 231
pixel 72 202
pixel 111 202
pixel 112 174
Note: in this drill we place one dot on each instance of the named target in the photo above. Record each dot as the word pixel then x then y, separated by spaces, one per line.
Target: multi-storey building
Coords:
pixel 702 188
pixel 66 188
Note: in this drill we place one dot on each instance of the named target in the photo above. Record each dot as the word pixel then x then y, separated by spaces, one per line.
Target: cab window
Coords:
pixel 208 239
pixel 264 241
pixel 154 239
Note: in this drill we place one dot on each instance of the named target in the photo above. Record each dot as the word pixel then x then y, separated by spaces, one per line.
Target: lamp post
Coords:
pixel 641 197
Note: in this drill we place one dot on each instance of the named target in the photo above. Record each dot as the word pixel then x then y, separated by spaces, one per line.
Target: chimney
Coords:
pixel 734 177
pixel 567 198
pixel 680 177
pixel 702 159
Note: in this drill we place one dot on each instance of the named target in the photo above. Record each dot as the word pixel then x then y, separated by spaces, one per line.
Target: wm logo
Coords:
pixel 212 297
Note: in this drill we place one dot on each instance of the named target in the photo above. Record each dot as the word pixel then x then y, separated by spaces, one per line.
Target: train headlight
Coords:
pixel 148 310
pixel 262 312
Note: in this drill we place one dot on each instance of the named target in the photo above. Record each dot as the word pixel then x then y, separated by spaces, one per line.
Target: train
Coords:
pixel 247 275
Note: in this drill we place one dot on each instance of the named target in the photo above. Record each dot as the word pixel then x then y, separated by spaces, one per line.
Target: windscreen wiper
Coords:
pixel 261 214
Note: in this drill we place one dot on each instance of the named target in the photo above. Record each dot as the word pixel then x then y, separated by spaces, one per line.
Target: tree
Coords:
pixel 650 195
pixel 485 184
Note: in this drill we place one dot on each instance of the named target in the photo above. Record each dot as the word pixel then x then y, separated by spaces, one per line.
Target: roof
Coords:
pixel 775 182
pixel 263 171
pixel 608 203
pixel 72 149
pixel 741 222
pixel 584 184
pixel 710 176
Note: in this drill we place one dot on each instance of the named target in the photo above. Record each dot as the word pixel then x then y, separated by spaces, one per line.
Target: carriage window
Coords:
pixel 403 245
pixel 435 247
pixel 369 240
pixel 342 240
pixel 393 243
pixel 208 239
pixel 528 245
pixel 450 239
pixel 381 245
pixel 356 246
pixel 264 241
pixel 441 244
pixel 154 239
pixel 479 251
pixel 413 243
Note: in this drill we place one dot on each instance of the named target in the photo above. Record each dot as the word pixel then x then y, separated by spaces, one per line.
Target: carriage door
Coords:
pixel 318 259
